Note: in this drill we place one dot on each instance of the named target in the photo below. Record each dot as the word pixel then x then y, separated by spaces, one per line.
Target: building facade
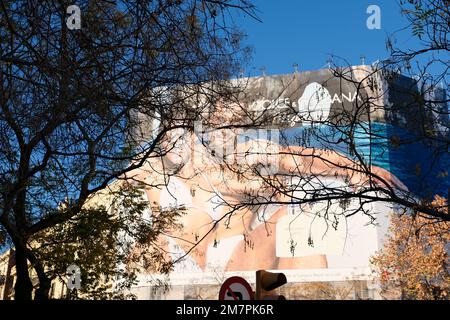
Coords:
pixel 319 244
pixel 58 289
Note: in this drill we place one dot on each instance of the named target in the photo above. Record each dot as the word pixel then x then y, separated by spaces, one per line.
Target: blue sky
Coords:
pixel 307 32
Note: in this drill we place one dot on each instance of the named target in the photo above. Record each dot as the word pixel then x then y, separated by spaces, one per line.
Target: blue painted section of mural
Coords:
pixel 392 148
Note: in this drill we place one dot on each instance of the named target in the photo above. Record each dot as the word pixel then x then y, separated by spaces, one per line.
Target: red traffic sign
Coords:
pixel 236 288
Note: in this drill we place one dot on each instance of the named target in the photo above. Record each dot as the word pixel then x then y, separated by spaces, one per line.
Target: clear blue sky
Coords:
pixel 308 32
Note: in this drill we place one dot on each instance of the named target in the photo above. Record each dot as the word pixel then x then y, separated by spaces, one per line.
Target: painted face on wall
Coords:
pixel 178 146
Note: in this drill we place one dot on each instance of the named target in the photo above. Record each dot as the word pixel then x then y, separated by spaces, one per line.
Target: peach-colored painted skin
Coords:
pixel 198 225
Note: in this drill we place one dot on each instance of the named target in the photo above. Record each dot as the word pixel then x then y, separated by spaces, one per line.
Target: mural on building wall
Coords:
pixel 219 235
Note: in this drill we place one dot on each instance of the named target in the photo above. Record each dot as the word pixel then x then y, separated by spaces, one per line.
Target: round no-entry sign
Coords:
pixel 236 288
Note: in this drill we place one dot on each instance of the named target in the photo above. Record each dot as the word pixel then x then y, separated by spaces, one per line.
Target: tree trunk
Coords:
pixel 23 288
pixel 42 293
pixel 43 290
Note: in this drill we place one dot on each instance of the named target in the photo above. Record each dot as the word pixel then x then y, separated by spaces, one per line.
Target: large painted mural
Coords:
pixel 308 111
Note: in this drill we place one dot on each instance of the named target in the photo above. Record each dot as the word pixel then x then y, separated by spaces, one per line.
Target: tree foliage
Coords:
pixel 98 240
pixel 415 262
